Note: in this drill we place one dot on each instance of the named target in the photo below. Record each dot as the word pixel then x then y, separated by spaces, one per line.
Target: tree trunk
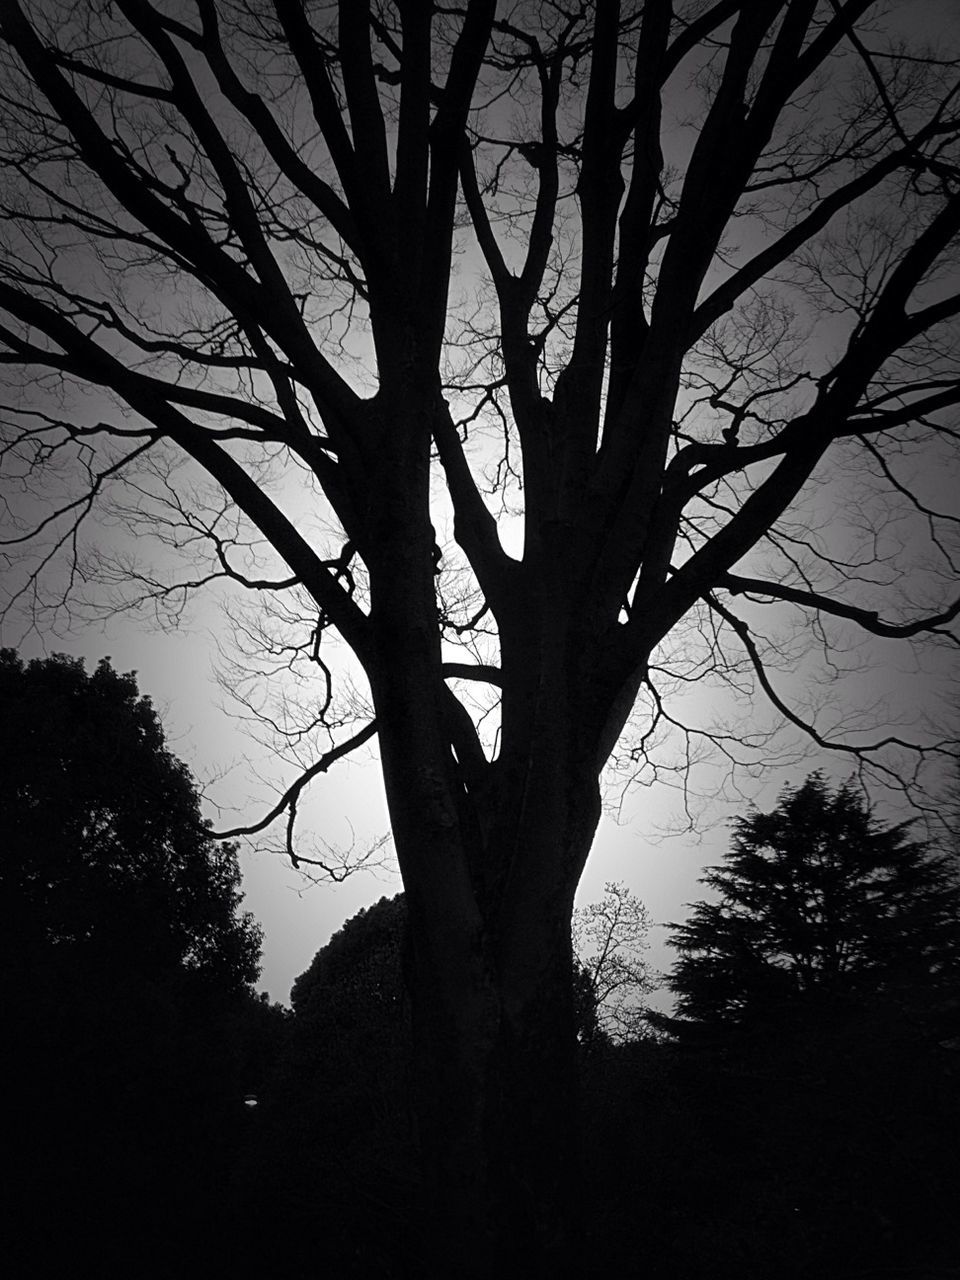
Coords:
pixel 496 1057
pixel 490 870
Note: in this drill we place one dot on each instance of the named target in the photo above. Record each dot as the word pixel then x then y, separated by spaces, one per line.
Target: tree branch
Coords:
pixel 292 794
pixel 870 621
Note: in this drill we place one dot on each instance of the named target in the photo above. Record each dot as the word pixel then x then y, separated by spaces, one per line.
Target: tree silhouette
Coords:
pixel 106 860
pixel 128 966
pixel 347 1096
pixel 609 939
pixel 352 1016
pixel 817 904
pixel 359 264
pixel 343 1119
pixel 819 994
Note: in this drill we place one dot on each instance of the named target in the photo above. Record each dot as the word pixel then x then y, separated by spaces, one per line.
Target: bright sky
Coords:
pixel 347 808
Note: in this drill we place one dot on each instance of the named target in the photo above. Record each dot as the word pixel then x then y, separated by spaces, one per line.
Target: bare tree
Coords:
pixel 609 939
pixel 302 280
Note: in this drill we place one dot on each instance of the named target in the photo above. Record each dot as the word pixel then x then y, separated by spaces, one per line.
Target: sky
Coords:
pixel 177 670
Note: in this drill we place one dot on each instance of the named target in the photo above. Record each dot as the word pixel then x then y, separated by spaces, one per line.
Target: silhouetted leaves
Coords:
pixel 812 1098
pixel 106 859
pixel 128 966
pixel 818 906
pixel 332 1158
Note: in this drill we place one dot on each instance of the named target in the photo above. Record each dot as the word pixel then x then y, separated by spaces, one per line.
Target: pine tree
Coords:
pixel 817 904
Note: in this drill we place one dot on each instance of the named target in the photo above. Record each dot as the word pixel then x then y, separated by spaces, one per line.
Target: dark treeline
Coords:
pixel 796 1117
pixel 131 1023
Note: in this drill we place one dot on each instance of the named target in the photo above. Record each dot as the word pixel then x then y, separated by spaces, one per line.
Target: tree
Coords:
pixel 352 1018
pixel 130 1013
pixel 818 991
pixel 609 939
pixel 349 1063
pixel 818 905
pixel 339 1118
pixel 686 261
pixel 107 864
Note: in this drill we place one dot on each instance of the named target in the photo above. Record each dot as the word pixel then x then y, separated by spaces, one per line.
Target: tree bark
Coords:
pixel 489 971
pixel 495 1052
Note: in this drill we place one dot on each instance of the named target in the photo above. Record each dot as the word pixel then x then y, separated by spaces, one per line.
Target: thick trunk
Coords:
pixel 499 1142
pixel 490 979
pixel 490 863
pixel 497 1078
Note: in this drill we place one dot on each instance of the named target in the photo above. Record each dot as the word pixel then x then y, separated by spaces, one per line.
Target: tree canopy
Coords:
pixel 817 903
pixel 643 245
pixel 107 862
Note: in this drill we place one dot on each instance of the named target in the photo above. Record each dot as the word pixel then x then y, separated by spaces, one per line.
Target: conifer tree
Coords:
pixel 816 902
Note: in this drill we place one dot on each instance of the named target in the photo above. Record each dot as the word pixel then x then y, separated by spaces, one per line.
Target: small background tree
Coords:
pixel 609 941
pixel 338 1120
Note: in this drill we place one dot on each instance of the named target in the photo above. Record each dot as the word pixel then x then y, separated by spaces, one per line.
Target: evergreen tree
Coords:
pixel 817 903
pixel 818 993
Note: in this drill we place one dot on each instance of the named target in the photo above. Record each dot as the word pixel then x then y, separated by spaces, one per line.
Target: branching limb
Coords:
pixel 861 751
pixel 935 624
pixel 475 529
pixel 473 671
pixel 288 801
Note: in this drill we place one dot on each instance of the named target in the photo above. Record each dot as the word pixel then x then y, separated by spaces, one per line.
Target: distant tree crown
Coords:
pixel 816 901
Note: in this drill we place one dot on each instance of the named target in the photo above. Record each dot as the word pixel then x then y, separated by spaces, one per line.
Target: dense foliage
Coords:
pixel 812 1137
pixel 801 1116
pixel 105 855
pixel 816 902
pixel 133 1026
pixel 816 1139
pixel 339 1119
